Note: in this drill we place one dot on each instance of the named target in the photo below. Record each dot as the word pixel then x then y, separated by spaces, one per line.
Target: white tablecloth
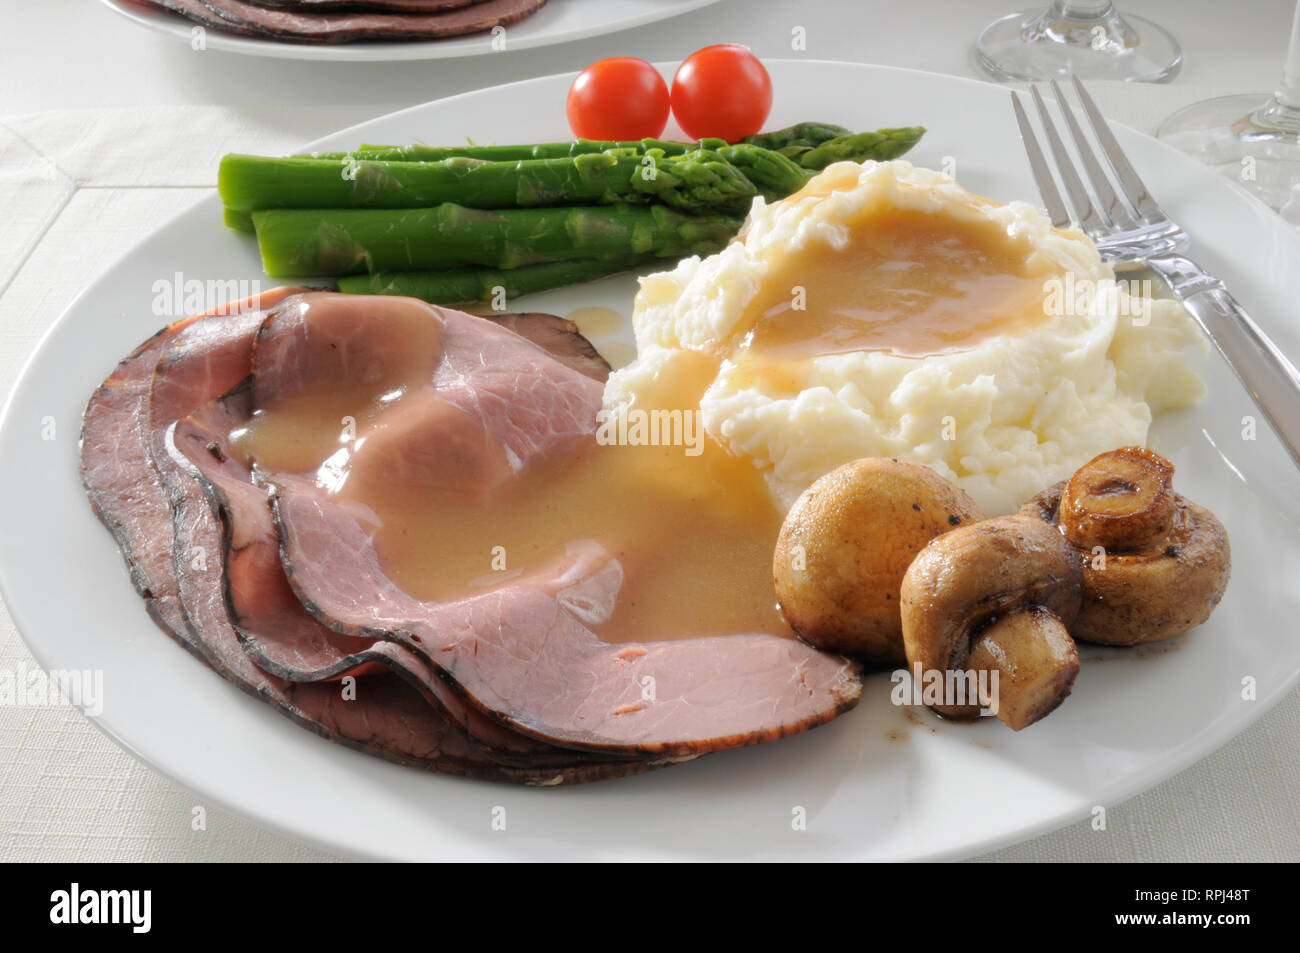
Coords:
pixel 77 188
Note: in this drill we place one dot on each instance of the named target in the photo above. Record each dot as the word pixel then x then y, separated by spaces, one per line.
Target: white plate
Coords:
pixel 880 782
pixel 560 21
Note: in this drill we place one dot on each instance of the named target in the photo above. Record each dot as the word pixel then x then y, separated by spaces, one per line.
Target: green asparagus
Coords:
pixel 693 181
pixel 775 175
pixel 545 150
pixel 455 223
pixel 799 137
pixel 792 142
pixel 332 242
pixel 882 145
pixel 462 285
pixel 815 145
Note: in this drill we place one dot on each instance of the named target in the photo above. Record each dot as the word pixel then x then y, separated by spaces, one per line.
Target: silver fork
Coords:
pixel 1131 231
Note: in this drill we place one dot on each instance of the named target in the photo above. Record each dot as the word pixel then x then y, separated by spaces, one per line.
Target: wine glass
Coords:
pixel 1084 38
pixel 1254 138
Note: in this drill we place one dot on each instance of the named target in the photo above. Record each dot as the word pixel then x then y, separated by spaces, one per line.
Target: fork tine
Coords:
pixel 1114 209
pixel 1038 165
pixel 1085 214
pixel 1134 189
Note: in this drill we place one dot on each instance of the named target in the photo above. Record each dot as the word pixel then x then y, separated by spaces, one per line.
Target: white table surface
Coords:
pixel 107 130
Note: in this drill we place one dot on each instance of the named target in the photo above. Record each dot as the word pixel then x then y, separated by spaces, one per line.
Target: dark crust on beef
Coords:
pixel 559 336
pixel 122 376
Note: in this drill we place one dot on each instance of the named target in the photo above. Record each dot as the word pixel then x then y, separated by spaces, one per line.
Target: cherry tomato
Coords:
pixel 621 98
pixel 721 91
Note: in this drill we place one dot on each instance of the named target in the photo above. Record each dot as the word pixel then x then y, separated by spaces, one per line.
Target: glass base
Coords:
pixel 1253 139
pixel 1038 45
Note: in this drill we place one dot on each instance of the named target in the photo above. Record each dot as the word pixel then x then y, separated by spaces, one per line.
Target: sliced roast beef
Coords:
pixel 122 486
pixel 127 491
pixel 276 630
pixel 206 357
pixel 117 471
pixel 520 652
pixel 508 685
pixel 212 357
pixel 295 26
pixel 278 633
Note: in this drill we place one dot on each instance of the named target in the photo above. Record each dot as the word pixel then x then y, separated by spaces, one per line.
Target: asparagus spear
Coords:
pixel 775 175
pixel 545 150
pixel 778 175
pixel 801 136
pixel 331 242
pixel 693 181
pixel 461 285
pixel 883 144
pixel 767 159
pixel 793 142
pixel 815 145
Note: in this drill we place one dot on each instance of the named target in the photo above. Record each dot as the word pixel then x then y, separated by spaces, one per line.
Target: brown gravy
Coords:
pixel 907 283
pixel 354 377
pixel 694 536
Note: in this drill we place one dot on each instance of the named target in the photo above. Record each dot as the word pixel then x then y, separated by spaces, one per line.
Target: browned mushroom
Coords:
pixel 1154 563
pixel 996 597
pixel 845 544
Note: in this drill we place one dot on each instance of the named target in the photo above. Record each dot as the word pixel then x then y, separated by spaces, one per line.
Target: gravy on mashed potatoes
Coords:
pixel 884 311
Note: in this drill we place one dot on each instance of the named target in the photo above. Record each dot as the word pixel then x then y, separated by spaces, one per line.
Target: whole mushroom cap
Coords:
pixel 997 596
pixel 845 544
pixel 967 578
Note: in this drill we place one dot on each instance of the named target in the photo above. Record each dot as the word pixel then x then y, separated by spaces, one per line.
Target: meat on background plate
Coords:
pixel 324 21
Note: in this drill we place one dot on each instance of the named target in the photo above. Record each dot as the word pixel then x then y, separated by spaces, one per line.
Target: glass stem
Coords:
pixel 1281 114
pixel 1081 9
pixel 1288 93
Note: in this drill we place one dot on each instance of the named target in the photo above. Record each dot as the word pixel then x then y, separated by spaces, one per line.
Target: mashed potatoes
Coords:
pixel 886 311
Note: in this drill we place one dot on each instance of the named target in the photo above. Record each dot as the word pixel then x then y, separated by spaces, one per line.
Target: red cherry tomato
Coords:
pixel 721 91
pixel 621 98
